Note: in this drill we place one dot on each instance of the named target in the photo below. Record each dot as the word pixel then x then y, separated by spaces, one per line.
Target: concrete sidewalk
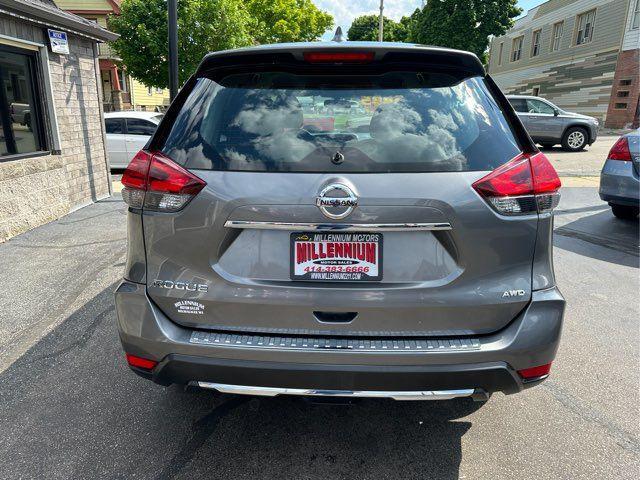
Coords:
pixel 48 273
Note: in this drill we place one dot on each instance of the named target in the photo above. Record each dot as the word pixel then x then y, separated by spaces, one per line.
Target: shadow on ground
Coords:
pixel 72 409
pixel 602 229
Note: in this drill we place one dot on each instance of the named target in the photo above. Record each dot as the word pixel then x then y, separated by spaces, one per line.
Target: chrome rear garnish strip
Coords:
pixel 273 391
pixel 342 227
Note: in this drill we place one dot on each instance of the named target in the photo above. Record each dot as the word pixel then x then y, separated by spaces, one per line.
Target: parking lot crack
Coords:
pixel 625 439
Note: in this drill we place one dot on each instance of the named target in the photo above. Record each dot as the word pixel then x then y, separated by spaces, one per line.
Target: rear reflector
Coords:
pixel 524 185
pixel 140 362
pixel 154 182
pixel 535 372
pixel 620 150
pixel 338 57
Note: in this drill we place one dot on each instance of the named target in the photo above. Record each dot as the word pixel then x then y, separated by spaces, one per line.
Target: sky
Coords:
pixel 344 11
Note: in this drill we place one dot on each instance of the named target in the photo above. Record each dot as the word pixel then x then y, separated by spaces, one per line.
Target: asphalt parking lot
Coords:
pixel 70 408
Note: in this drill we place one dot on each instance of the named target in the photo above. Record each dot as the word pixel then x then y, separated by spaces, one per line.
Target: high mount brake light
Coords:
pixel 154 182
pixel 620 150
pixel 524 185
pixel 338 57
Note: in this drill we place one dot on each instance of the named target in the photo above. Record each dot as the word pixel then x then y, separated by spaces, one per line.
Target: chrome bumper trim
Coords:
pixel 342 227
pixel 274 391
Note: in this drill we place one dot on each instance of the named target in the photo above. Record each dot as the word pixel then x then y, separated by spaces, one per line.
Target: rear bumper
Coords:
pixel 619 183
pixel 530 340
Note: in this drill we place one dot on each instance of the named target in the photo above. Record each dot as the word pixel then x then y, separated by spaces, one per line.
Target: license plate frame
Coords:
pixel 371 248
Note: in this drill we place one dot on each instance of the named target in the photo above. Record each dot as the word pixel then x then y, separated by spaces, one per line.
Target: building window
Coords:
pixel 623 93
pixel 535 43
pixel 625 82
pixel 122 78
pixel 516 49
pixel 500 49
pixel 535 91
pixel 621 106
pixel 556 36
pixel 585 27
pixel 149 91
pixel 635 23
pixel 21 127
pixel 159 91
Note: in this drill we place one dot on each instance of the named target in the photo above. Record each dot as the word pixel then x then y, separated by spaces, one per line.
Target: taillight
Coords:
pixel 620 150
pixel 338 57
pixel 140 362
pixel 534 373
pixel 154 182
pixel 526 184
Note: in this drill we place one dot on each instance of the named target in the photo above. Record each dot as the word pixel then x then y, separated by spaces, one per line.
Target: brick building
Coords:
pixel 52 148
pixel 580 54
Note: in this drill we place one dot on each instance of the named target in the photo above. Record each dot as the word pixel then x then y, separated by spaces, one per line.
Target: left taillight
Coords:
pixel 154 182
pixel 526 184
pixel 620 151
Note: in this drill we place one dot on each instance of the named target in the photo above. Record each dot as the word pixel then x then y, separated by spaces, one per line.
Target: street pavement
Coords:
pixel 70 408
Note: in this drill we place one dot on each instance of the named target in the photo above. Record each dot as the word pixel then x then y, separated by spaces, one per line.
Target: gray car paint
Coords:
pixel 619 180
pixel 453 285
pixel 549 129
pixel 426 289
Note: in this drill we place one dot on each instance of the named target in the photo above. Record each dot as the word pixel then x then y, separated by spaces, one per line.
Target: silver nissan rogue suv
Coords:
pixel 331 219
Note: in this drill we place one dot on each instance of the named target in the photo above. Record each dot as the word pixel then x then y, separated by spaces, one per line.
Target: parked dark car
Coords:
pixel 549 125
pixel 413 262
pixel 619 183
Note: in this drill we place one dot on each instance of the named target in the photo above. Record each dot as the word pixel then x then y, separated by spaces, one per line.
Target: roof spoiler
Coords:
pixel 382 53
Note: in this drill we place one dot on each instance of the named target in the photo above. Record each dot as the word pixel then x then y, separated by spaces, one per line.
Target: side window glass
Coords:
pixel 519 105
pixel 136 126
pixel 114 125
pixel 536 106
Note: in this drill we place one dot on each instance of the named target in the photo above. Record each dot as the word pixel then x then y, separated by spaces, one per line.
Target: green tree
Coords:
pixel 463 24
pixel 205 26
pixel 365 29
pixel 403 28
pixel 288 20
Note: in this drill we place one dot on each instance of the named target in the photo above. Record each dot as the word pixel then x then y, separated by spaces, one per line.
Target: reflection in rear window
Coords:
pixel 395 122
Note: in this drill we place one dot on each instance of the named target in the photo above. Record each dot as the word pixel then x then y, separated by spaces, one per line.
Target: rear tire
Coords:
pixel 574 139
pixel 625 212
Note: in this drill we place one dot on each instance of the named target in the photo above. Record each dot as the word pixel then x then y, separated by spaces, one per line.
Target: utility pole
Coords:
pixel 172 6
pixel 380 22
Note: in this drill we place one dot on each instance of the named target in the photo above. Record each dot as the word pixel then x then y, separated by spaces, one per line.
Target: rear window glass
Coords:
pixel 393 122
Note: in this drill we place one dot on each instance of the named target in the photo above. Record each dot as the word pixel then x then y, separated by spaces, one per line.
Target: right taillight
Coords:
pixel 155 182
pixel 526 184
pixel 620 150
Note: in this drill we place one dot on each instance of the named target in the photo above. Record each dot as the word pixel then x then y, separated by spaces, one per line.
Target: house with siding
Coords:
pixel 580 54
pixel 121 91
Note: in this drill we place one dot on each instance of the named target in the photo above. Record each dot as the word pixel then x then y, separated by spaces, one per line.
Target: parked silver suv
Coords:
pixel 279 246
pixel 549 125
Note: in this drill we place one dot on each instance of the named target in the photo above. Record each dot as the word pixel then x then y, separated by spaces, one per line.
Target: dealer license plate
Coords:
pixel 336 257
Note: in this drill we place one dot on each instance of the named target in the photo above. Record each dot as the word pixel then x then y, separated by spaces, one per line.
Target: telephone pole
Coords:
pixel 172 6
pixel 380 22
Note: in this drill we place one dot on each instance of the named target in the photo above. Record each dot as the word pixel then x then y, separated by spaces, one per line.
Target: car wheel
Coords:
pixel 574 139
pixel 625 212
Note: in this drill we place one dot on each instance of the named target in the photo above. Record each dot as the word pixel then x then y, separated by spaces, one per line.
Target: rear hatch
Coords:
pixel 339 200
